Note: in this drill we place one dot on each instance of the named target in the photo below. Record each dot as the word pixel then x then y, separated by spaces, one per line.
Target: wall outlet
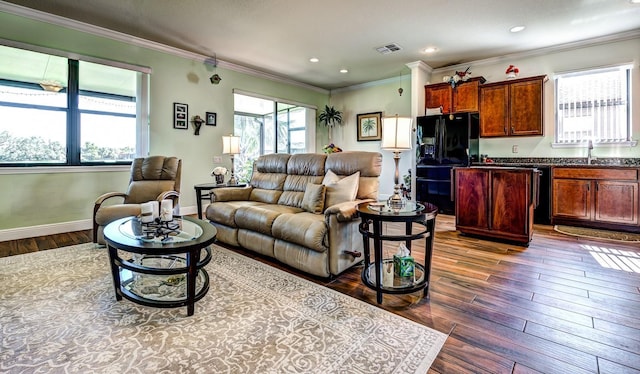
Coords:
pixel 217 159
pixel 514 149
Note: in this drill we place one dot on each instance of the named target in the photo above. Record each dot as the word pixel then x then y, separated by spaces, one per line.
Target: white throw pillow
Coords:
pixel 340 190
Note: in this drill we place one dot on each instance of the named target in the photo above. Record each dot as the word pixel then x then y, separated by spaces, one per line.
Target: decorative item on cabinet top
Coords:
pixel 512 72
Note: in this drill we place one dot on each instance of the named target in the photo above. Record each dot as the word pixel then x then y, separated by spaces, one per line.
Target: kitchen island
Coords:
pixel 496 202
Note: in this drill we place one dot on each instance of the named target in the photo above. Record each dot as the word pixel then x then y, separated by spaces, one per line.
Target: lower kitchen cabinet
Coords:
pixel 596 197
pixel 496 202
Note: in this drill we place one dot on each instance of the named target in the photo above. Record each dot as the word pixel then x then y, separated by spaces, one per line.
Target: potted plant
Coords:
pixel 330 116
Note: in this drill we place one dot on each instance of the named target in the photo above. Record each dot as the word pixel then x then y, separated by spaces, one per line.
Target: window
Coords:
pixel 66 112
pixel 594 105
pixel 261 134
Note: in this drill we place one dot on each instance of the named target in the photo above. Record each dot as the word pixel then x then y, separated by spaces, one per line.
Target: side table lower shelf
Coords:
pixel 379 274
pixel 392 283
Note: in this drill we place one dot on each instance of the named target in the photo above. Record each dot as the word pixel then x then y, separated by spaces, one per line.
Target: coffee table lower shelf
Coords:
pixel 158 282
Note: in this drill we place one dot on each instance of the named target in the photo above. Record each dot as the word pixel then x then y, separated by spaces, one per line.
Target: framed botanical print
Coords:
pixel 180 116
pixel 369 126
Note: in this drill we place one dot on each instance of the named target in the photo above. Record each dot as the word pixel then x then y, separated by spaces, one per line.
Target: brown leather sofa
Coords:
pixel 300 209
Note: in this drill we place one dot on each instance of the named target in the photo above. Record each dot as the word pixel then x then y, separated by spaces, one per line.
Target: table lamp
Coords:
pixel 231 146
pixel 396 137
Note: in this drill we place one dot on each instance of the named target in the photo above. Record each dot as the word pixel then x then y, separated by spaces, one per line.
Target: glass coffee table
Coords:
pixel 160 264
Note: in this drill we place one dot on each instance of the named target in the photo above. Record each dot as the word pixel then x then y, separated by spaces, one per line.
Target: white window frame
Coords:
pixel 594 110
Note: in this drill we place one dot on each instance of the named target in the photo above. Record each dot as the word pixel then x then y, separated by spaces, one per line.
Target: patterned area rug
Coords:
pixel 598 234
pixel 58 314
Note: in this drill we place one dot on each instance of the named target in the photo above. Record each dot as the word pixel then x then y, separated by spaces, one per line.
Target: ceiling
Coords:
pixel 280 36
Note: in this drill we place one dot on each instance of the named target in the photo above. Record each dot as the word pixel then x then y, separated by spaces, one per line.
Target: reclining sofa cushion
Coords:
pixel 302 169
pixel 306 229
pixel 259 218
pixel 347 163
pixel 225 212
pixel 269 175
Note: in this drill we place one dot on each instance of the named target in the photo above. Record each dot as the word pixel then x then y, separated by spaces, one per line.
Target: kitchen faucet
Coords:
pixel 589 149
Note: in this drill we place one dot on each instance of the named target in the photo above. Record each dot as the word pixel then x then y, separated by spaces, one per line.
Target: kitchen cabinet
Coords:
pixel 462 98
pixel 496 202
pixel 512 108
pixel 603 197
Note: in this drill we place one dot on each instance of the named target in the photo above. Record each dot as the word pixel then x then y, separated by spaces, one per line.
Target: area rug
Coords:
pixel 58 314
pixel 598 234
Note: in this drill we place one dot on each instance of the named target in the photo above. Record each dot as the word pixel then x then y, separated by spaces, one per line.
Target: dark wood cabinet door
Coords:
pixel 472 198
pixel 511 199
pixel 571 199
pixel 616 202
pixel 437 95
pixel 525 107
pixel 465 97
pixel 494 110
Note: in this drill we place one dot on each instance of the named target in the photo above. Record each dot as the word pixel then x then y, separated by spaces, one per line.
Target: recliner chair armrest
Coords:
pixel 230 194
pixel 345 211
pixel 174 195
pixel 101 199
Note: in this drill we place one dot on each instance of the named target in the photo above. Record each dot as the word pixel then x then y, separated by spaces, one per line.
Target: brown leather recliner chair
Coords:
pixel 152 178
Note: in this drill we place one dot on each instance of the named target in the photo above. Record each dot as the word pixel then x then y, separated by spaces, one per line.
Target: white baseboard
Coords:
pixel 41 230
pixel 62 227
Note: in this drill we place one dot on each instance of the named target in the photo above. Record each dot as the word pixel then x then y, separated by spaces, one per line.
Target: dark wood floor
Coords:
pixel 547 308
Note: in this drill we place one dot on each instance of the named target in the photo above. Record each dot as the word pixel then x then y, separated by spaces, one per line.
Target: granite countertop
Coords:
pixel 558 161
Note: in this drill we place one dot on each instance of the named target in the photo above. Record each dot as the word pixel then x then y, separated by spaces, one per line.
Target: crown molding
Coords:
pixel 542 51
pixel 421 65
pixel 56 20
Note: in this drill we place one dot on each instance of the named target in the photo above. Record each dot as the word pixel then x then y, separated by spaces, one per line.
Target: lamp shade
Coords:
pixel 396 133
pixel 230 144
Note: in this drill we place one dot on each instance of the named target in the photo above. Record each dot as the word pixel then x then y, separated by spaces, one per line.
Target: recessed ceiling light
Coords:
pixel 314 59
pixel 344 71
pixel 430 49
pixel 516 28
pixel 634 1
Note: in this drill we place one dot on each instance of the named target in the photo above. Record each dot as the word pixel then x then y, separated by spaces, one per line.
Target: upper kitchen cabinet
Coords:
pixel 462 98
pixel 512 108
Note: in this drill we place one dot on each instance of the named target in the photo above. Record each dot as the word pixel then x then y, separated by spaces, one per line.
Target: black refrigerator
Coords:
pixel 444 142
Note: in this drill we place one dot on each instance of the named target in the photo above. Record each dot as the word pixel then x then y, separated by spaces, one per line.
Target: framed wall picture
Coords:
pixel 369 126
pixel 180 116
pixel 211 119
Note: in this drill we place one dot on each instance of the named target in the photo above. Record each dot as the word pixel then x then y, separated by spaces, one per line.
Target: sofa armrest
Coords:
pixel 345 211
pixel 230 194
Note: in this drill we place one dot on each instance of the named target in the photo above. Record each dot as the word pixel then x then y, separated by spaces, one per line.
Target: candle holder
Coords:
pixel 159 229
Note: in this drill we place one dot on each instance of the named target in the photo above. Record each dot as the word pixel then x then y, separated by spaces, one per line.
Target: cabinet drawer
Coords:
pixel 596 173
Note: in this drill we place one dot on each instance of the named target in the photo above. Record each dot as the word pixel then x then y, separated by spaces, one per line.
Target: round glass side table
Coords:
pixel 376 274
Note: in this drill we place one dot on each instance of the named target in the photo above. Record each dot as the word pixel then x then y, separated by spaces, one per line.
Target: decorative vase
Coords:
pixel 512 75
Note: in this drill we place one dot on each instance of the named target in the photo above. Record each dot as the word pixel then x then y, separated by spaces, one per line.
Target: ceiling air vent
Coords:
pixel 389 48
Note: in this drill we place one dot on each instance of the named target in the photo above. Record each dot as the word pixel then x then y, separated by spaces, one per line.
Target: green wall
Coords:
pixel 50 198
